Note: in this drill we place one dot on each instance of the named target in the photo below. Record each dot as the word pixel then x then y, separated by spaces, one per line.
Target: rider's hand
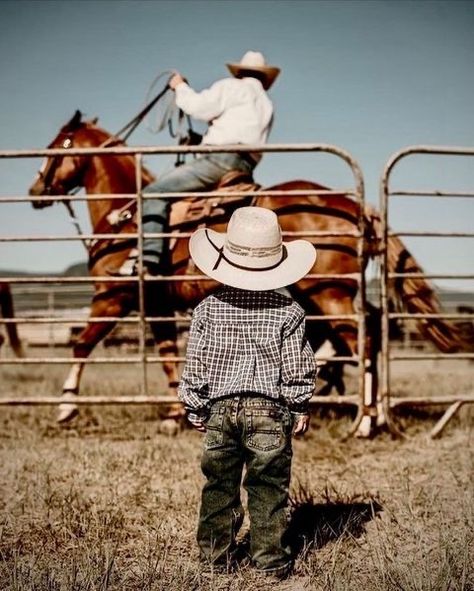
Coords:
pixel 301 424
pixel 175 80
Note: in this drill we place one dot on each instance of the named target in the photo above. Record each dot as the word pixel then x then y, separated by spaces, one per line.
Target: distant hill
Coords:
pixel 74 270
pixel 39 297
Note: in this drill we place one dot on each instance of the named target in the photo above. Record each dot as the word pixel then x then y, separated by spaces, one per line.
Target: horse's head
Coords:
pixel 59 175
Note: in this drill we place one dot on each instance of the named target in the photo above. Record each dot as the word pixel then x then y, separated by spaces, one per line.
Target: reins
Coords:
pixel 126 131
pixel 130 127
pixel 75 222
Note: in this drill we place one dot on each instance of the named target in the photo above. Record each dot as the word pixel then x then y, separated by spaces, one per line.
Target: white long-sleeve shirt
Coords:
pixel 238 111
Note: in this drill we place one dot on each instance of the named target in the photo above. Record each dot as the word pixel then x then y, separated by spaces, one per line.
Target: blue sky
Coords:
pixel 368 76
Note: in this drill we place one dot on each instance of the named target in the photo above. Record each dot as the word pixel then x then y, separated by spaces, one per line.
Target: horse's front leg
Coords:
pixel 92 334
pixel 67 410
pixel 373 415
pixel 366 420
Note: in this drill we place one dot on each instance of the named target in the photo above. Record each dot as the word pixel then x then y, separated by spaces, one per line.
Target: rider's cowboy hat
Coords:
pixel 251 255
pixel 254 61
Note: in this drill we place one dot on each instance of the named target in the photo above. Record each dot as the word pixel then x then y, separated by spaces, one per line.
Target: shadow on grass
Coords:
pixel 315 524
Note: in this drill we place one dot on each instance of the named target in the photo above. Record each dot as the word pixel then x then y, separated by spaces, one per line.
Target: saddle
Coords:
pixel 188 212
pixel 195 210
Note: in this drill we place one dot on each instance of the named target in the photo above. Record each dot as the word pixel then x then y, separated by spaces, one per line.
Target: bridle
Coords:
pixel 46 174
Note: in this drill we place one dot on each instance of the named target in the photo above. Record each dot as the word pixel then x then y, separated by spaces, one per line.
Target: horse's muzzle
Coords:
pixel 38 190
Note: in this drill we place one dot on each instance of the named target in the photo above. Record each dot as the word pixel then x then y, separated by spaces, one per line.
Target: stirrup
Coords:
pixel 130 269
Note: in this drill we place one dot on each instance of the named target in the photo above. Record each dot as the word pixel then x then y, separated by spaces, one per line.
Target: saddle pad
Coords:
pixel 199 209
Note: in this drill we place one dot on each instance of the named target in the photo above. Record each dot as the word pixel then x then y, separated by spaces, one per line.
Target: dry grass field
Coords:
pixel 109 503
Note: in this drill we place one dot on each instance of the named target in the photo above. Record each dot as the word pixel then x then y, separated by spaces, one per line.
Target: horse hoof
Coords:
pixel 364 430
pixel 67 410
pixel 169 427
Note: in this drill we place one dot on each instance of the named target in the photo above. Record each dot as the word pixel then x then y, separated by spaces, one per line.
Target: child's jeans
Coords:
pixel 255 432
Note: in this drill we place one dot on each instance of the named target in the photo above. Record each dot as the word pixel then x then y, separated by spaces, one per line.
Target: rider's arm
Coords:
pixel 205 105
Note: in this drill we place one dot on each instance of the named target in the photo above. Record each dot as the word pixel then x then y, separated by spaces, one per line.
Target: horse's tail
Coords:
pixel 416 294
pixel 6 306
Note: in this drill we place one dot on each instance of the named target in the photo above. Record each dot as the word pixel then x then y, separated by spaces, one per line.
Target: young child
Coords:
pixel 248 377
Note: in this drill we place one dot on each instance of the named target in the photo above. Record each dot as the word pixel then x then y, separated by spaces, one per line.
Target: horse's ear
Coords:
pixel 75 121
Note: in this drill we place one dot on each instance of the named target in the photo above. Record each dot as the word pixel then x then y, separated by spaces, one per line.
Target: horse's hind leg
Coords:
pixel 165 336
pixel 93 333
pixel 370 412
pixel 367 416
pixel 337 301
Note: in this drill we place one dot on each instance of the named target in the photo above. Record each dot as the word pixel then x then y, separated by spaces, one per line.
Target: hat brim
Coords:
pixel 301 256
pixel 269 72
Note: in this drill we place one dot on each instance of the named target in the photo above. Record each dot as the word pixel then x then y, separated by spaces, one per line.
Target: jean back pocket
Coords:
pixel 265 428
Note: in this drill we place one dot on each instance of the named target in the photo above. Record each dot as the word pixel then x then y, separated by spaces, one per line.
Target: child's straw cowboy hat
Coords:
pixel 251 255
pixel 254 61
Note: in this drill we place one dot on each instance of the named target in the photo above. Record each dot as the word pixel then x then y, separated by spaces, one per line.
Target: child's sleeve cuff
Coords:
pixel 299 409
pixel 196 416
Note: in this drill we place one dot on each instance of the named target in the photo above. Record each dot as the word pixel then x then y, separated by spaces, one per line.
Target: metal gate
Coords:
pixel 142 358
pixel 454 402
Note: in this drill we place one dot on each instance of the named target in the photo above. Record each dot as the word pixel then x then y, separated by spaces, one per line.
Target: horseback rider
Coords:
pixel 238 111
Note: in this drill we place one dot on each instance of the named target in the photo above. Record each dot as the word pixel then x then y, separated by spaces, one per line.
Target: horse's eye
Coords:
pixel 67 143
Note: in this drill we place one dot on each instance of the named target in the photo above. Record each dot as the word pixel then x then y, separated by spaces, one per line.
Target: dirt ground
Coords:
pixel 109 503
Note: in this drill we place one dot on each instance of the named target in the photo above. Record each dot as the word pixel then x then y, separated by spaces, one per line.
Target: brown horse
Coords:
pixel 7 312
pixel 326 296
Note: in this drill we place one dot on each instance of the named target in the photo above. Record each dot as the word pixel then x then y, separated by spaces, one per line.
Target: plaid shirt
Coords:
pixel 244 342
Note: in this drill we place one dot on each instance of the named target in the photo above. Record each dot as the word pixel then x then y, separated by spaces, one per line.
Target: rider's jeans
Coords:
pixel 200 174
pixel 254 433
